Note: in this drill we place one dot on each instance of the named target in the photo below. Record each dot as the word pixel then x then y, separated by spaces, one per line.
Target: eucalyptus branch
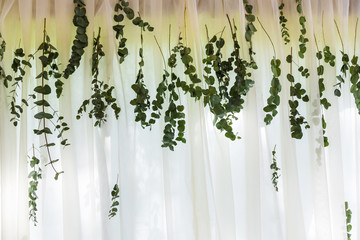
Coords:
pixel 121 10
pixel 348 214
pixel 142 100
pixel 250 31
pixel 115 195
pixel 81 22
pixel 101 97
pixel 282 21
pixel 34 177
pixel 344 68
pixel 275 168
pixel 302 39
pixel 296 120
pixel 274 100
pixel 323 101
pixel 354 74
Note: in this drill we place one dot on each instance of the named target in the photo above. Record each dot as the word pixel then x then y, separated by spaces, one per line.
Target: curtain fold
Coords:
pixel 210 187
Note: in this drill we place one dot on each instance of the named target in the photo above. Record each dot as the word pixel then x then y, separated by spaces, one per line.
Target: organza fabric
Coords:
pixel 210 187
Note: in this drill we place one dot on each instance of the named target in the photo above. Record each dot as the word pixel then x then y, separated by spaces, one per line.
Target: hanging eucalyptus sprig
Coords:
pixel 101 97
pixel 296 120
pixel 329 58
pixel 344 68
pixel 354 74
pixel 323 100
pixel 2 52
pixel 121 10
pixel 115 205
pixel 250 29
pixel 46 114
pixel 348 214
pixel 174 130
pixel 142 100
pixel 274 100
pixel 282 20
pixel 214 62
pixel 219 99
pixel 273 166
pixel 81 22
pixel 18 66
pixel 302 38
pixel 34 176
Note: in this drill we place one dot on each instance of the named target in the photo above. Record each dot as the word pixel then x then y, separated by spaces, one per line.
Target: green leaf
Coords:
pixel 57 175
pixel 43 90
pixel 250 18
pixel 42 115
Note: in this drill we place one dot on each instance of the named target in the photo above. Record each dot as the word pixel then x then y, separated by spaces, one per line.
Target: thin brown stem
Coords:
pixel 267 36
pixel 291 63
pixel 162 54
pixel 338 31
pixel 231 29
pixel 207 33
pixel 357 20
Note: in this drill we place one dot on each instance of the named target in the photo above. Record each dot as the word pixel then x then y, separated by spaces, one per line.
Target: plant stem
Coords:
pixel 357 20
pixel 338 31
pixel 267 36
pixel 162 55
pixel 43 106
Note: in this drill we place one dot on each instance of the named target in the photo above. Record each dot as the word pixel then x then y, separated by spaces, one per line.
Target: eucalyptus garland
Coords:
pixel 81 22
pixel 282 21
pixel 101 97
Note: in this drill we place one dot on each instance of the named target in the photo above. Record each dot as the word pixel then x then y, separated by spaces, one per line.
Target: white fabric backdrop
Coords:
pixel 210 187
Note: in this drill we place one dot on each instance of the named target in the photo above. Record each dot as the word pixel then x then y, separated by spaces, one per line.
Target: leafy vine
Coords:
pixel 275 168
pixel 354 75
pixel 121 10
pixel 250 30
pixel 323 100
pixel 114 208
pixel 282 21
pixel 348 214
pixel 274 100
pixel 344 68
pixel 101 97
pixel 142 101
pixel 174 115
pixel 296 120
pixel 302 39
pixel 81 22
pixel 34 177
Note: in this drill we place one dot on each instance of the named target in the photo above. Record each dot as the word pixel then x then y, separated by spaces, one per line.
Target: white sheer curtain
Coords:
pixel 210 187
